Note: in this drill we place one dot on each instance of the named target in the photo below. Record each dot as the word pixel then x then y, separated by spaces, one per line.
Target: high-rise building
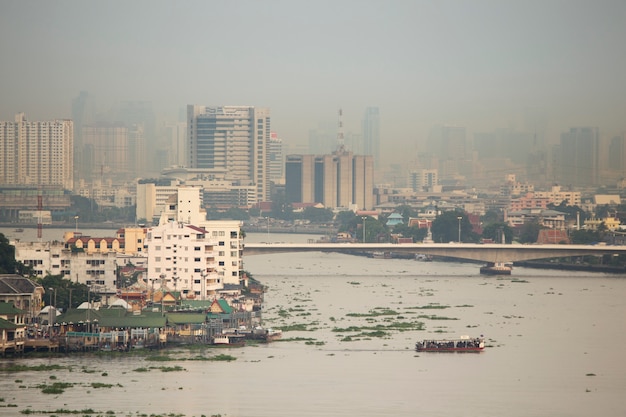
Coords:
pixel 371 134
pixel 113 151
pixel 276 161
pixel 340 179
pixel 233 139
pixel 83 113
pixel 37 153
pixel 578 157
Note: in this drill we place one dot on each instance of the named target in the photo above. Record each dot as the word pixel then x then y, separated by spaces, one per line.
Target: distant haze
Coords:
pixel 478 64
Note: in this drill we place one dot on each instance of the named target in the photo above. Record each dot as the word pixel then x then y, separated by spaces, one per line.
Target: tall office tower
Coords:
pixel 83 113
pixel 343 161
pixel 275 161
pixel 175 142
pixel 616 163
pixel 37 153
pixel 136 151
pixel 371 134
pixel 340 179
pixel 232 139
pixel 362 181
pixel 578 157
pixel 113 151
pixel 299 186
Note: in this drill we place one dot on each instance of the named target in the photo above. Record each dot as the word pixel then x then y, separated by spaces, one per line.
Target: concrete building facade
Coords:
pixel 39 153
pixel 233 139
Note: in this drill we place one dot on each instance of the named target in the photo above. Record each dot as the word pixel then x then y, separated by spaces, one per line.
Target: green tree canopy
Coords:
pixel 445 228
pixel 494 231
pixel 65 291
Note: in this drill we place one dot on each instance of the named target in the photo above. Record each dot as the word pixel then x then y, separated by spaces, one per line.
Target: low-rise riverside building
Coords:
pixel 12 329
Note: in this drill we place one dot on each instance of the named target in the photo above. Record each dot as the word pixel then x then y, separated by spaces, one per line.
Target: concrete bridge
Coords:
pixel 488 253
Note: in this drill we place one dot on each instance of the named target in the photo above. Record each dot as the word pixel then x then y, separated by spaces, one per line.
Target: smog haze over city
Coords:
pixel 483 65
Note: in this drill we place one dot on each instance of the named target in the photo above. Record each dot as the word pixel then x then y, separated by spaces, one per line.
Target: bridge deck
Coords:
pixel 476 252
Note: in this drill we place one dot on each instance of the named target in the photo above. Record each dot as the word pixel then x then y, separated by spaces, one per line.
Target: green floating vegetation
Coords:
pixel 24 368
pixel 432 306
pixel 399 326
pixel 434 317
pixel 55 388
pixel 222 357
pixel 160 358
pixel 61 411
pixel 377 312
pixel 296 339
pixel 100 385
pixel 294 327
pixel 169 368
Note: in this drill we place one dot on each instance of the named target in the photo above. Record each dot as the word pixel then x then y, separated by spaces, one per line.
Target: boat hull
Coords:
pixel 464 344
pixel 449 349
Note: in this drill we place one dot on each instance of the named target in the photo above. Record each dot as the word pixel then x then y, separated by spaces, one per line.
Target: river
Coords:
pixel 555 343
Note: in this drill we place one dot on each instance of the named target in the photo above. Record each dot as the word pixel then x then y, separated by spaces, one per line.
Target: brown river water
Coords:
pixel 555 345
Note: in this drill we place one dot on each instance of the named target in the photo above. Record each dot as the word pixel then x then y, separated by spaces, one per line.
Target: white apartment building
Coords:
pixel 37 153
pixel 152 198
pixel 96 270
pixel 193 260
pixel 212 248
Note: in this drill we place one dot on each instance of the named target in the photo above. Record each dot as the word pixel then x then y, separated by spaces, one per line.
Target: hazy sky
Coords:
pixel 479 64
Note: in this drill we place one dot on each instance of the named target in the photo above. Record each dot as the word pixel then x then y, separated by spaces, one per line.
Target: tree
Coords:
pixel 529 232
pixel 445 228
pixel 413 232
pixel 317 215
pixel 8 265
pixel 375 231
pixel 585 237
pixel 343 218
pixel 494 231
pixel 68 294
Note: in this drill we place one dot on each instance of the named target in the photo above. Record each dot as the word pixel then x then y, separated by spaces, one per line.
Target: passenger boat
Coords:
pixel 224 340
pixel 462 344
pixel 496 268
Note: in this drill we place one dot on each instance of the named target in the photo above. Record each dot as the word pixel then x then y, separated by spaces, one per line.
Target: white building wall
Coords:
pixel 183 258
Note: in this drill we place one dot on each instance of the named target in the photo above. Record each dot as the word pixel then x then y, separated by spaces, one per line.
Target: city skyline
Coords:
pixel 480 65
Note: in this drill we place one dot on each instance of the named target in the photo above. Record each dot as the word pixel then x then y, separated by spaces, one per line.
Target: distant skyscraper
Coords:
pixel 113 151
pixel 578 157
pixel 231 140
pixel 37 153
pixel 276 161
pixel 175 137
pixel 448 143
pixel 83 113
pixel 371 134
